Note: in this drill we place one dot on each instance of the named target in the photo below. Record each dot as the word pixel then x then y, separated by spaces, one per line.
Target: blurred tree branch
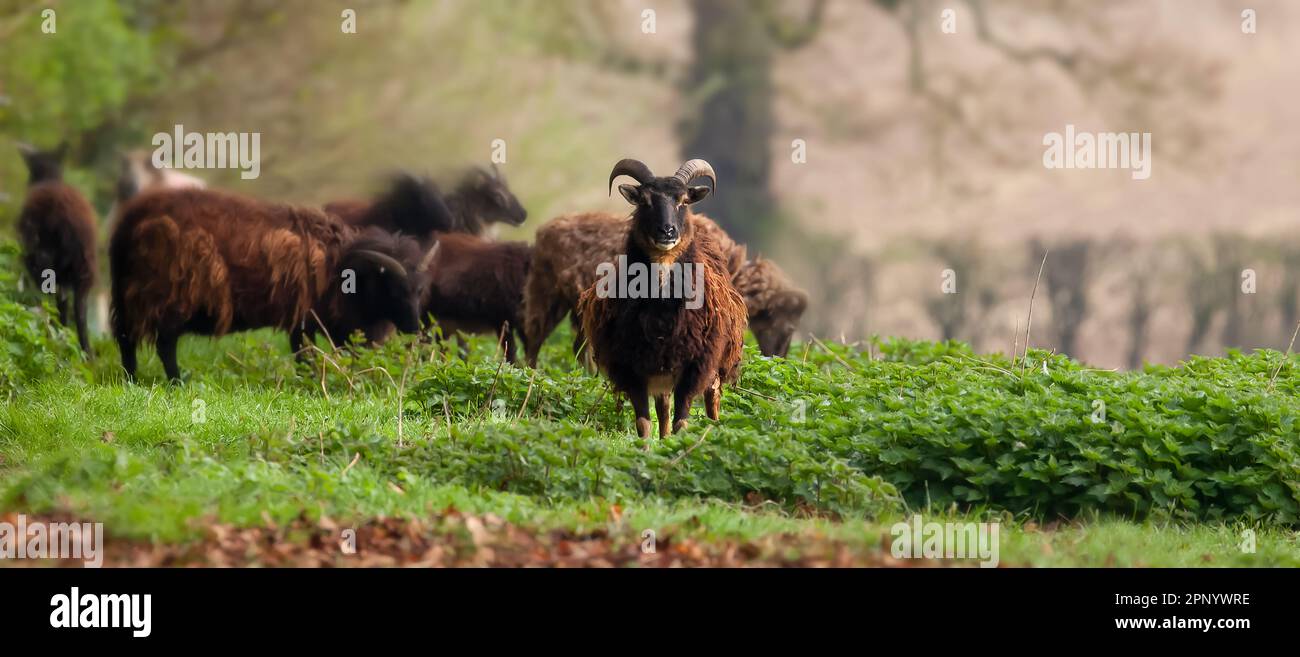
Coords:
pixel 1140 75
pixel 1067 61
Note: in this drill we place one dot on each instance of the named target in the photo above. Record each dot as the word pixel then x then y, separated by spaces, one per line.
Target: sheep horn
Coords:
pixel 428 257
pixel 383 260
pixel 633 168
pixel 693 169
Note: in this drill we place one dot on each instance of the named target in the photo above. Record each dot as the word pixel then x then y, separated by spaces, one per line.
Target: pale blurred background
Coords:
pixel 923 149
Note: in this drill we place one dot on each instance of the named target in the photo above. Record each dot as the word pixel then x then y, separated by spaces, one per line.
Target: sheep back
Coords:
pixel 212 262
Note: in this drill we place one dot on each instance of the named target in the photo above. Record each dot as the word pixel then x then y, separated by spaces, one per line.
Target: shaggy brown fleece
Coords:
pixel 210 262
pixel 659 346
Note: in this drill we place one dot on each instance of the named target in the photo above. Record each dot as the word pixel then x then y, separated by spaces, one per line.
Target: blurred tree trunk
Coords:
pixel 729 96
pixel 1139 321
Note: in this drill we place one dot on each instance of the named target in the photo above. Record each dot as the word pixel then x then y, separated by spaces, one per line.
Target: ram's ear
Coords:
pixel 26 150
pixel 631 192
pixel 696 194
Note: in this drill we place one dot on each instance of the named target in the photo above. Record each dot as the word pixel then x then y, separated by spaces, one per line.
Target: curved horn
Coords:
pixel 693 169
pixel 633 168
pixel 383 259
pixel 428 257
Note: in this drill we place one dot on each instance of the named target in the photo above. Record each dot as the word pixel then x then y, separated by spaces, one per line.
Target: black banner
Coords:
pixel 339 607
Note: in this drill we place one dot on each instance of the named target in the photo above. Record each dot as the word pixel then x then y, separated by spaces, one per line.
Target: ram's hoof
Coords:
pixel 678 426
pixel 643 427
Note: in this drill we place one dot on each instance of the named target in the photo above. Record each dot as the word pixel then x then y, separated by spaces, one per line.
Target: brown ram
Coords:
pixel 665 337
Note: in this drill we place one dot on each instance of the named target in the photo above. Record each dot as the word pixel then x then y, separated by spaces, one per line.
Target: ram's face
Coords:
pixel 661 209
pixel 499 202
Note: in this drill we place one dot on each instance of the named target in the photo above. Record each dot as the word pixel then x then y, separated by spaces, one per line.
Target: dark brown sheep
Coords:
pixel 662 343
pixel 481 199
pixel 569 248
pixel 57 230
pixel 210 262
pixel 477 286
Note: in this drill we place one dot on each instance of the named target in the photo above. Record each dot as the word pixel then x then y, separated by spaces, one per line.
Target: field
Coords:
pixel 431 457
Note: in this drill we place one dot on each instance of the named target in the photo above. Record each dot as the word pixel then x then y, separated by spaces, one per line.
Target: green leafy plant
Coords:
pixel 1213 439
pixel 32 344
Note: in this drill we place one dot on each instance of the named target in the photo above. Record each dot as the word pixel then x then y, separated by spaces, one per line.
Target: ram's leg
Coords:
pixel 296 338
pixel 713 399
pixel 61 302
pixel 641 407
pixel 126 346
pixel 79 309
pixel 542 314
pixel 681 407
pixel 166 345
pixel 661 412
pixel 538 325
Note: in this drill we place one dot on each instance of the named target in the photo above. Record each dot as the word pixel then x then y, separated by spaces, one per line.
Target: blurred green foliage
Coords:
pixel 420 85
pixel 69 84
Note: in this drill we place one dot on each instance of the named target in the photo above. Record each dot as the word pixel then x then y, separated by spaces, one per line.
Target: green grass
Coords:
pixel 252 437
